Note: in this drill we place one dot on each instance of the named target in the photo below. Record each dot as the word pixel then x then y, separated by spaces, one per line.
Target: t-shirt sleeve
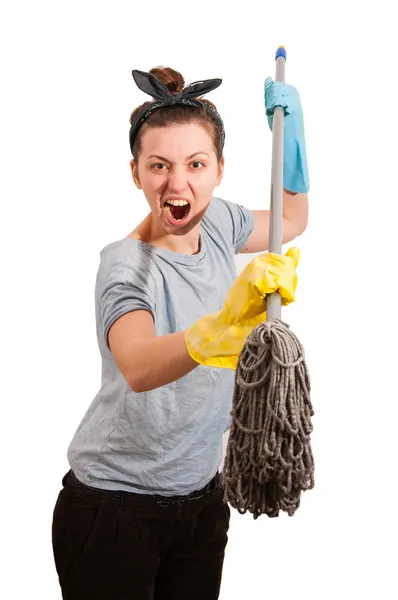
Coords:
pixel 124 285
pixel 242 221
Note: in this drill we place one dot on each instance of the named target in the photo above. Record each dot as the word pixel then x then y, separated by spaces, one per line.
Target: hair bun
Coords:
pixel 172 79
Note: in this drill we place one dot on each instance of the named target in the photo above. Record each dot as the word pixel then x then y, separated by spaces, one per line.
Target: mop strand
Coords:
pixel 269 460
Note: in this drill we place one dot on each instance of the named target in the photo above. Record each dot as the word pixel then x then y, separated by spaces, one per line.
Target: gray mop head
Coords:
pixel 269 460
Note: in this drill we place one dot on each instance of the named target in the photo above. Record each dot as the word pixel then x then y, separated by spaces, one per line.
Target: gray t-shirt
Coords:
pixel 169 440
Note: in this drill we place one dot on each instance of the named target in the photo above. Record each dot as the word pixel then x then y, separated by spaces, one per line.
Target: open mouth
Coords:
pixel 177 210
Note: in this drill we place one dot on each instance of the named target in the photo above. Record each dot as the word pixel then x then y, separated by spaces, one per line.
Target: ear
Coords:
pixel 220 171
pixel 134 172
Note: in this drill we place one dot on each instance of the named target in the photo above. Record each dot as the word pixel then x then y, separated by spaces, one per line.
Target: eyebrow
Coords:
pixel 167 160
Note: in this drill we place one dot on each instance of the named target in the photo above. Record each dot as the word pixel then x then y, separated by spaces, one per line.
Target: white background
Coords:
pixel 66 191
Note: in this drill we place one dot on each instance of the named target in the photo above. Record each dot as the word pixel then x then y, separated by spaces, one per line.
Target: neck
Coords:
pixel 148 231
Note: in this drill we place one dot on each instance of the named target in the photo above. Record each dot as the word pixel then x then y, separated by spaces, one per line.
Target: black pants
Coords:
pixel 124 546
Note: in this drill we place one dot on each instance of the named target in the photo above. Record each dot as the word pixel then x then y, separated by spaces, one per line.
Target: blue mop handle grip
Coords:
pixel 274 301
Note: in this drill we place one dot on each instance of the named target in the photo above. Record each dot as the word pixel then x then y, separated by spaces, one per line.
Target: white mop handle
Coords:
pixel 274 301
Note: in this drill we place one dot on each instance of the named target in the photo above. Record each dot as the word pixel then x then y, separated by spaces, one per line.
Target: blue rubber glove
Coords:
pixel 295 168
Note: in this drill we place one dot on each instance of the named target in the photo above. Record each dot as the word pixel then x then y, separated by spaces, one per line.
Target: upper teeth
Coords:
pixel 177 202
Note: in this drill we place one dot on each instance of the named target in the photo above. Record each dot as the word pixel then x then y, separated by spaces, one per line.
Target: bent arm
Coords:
pixel 295 219
pixel 148 361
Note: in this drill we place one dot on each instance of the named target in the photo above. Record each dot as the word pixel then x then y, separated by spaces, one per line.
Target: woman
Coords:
pixel 141 513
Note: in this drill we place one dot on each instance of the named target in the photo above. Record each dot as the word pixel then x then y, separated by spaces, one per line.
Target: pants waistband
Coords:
pixel 70 480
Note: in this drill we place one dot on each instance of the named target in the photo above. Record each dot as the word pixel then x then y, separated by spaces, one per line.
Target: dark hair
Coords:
pixel 177 114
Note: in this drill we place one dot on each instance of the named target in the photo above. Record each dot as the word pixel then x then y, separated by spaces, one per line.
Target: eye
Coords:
pixel 160 165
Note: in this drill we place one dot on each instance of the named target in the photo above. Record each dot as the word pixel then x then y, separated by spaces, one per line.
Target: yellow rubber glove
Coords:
pixel 216 340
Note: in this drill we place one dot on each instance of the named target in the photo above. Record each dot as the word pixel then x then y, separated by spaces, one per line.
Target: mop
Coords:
pixel 269 460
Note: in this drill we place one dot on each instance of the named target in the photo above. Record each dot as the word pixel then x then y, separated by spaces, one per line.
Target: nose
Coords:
pixel 177 179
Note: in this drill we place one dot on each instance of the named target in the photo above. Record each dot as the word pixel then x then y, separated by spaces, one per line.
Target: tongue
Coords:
pixel 179 212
